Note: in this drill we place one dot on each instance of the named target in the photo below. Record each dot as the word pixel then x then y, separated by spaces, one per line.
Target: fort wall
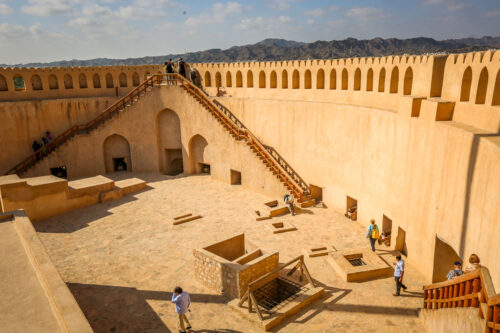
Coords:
pixel 405 144
pixel 70 82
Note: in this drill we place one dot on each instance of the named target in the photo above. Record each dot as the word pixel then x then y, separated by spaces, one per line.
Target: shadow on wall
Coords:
pixel 468 186
pixel 124 309
pixel 444 257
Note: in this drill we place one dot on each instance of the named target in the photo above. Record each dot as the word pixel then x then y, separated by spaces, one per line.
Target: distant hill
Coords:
pixel 280 49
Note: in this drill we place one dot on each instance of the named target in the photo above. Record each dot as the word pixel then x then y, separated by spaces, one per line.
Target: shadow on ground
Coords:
pixel 124 309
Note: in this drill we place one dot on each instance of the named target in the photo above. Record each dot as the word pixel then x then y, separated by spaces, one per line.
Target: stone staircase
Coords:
pixel 268 155
pixel 276 164
pixel 471 290
pixel 120 106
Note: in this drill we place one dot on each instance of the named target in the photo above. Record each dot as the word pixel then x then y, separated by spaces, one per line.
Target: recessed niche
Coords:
pixel 119 164
pixel 351 208
pixel 235 177
pixel 60 172
pixel 204 168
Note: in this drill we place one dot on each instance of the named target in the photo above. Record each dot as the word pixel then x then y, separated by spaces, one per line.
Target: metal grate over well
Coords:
pixel 277 293
pixel 356 262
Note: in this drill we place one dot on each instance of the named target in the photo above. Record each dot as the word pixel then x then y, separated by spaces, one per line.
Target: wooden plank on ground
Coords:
pixel 189 219
pixel 182 216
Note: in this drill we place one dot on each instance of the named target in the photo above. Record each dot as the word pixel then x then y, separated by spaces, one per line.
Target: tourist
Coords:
pixel 192 75
pixel 182 302
pixel 474 263
pixel 169 67
pixel 456 271
pixel 399 272
pixel 372 233
pixel 289 202
pixel 48 136
pixel 36 145
pixel 182 67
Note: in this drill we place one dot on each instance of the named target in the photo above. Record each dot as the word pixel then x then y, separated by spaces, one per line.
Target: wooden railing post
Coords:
pixel 475 290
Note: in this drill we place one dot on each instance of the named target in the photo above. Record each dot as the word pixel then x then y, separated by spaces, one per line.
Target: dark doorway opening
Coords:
pixel 119 164
pixel 204 168
pixel 386 231
pixel 59 172
pixel 235 177
pixel 174 160
pixel 401 242
pixel 351 208
pixel 316 192
pixel 444 258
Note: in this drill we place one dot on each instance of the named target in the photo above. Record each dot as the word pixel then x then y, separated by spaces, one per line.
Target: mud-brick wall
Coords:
pixel 215 274
pixel 255 270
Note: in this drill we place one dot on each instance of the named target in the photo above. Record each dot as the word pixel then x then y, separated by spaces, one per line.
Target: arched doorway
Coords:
pixel 168 129
pixel 116 150
pixel 198 161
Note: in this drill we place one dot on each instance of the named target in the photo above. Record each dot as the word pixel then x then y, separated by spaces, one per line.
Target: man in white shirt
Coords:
pixel 399 272
pixel 182 302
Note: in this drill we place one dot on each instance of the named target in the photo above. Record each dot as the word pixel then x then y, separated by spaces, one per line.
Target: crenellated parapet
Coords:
pixel 65 82
pixel 378 74
pixel 469 81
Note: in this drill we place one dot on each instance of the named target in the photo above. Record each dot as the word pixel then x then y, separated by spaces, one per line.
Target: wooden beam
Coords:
pixel 182 216
pixel 252 297
pixel 243 299
pixel 192 218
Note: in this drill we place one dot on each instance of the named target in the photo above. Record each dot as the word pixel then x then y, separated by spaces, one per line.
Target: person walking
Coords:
pixel 289 202
pixel 372 233
pixel 182 301
pixel 399 272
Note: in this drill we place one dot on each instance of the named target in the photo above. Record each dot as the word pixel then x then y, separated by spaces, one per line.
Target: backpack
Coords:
pixel 169 68
pixel 375 234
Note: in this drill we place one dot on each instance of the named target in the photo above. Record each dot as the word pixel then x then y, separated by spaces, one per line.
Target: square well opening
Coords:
pixel 277 293
pixel 351 208
pixel 278 225
pixel 271 204
pixel 356 259
pixel 235 177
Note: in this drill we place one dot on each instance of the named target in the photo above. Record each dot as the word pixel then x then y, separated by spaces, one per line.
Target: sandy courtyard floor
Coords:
pixel 121 260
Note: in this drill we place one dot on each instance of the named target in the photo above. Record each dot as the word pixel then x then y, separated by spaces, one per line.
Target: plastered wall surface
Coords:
pixel 413 152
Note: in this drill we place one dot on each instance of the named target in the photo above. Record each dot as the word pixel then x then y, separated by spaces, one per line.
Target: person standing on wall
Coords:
pixel 182 67
pixel 372 233
pixel 182 301
pixel 169 68
pixel 399 272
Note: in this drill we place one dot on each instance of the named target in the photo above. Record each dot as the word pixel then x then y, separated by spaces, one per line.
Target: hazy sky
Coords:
pixel 48 30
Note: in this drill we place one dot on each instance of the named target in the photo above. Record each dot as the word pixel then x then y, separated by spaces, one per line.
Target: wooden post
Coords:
pixel 425 299
pixel 252 297
pixel 475 290
pixel 468 289
pixel 461 292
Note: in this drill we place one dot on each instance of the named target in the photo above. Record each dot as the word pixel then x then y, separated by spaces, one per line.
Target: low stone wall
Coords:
pixel 227 276
pixel 34 297
pixel 256 269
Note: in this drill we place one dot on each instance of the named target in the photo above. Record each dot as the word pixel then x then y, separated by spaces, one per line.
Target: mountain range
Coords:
pixel 280 49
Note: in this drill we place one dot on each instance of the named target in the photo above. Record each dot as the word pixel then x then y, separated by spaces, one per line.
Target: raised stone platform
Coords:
pixel 34 297
pixel 359 265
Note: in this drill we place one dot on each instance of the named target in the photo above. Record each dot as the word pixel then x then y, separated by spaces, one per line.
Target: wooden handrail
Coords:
pixel 78 129
pixel 235 127
pixel 294 187
pixel 468 290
